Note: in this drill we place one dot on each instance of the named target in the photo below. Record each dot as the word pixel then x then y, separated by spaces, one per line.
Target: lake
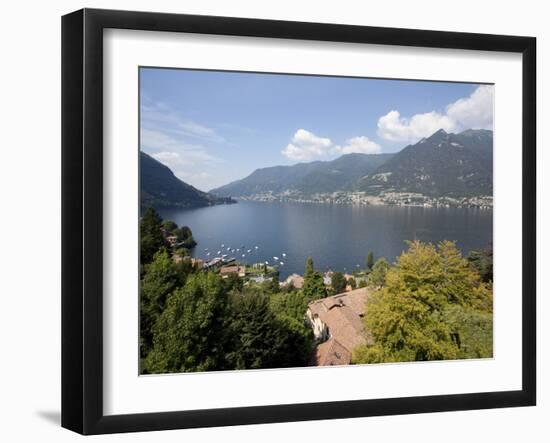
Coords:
pixel 337 237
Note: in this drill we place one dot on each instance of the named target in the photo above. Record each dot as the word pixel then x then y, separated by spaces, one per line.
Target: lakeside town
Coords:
pixel 223 313
pixel 384 198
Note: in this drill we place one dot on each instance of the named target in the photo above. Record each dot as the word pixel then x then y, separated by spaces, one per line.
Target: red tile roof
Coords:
pixel 342 314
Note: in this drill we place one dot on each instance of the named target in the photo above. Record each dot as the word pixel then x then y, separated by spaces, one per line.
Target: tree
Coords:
pixel 314 286
pixel 370 261
pixel 159 280
pixel 190 333
pixel 482 262
pixel 293 305
pixel 258 339
pixel 185 237
pixel 233 283
pixel 169 225
pixel 338 282
pixel 472 331
pixel 353 283
pixel 432 307
pixel 151 239
pixel 378 275
pixel 309 267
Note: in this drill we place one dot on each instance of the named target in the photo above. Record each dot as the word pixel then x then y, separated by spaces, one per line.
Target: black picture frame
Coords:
pixel 82 218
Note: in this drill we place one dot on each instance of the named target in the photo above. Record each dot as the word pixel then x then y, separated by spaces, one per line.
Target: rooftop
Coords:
pixel 342 313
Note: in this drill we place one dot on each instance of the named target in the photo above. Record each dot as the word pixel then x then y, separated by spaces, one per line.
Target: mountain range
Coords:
pixel 444 164
pixel 307 178
pixel 161 188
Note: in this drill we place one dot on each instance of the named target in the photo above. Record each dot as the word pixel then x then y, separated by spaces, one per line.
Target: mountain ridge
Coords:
pixel 160 188
pixel 311 177
pixel 444 164
pixel 441 165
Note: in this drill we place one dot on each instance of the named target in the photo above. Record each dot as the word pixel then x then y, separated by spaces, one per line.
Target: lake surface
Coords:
pixel 337 237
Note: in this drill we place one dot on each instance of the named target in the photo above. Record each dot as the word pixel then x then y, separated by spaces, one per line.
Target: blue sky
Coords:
pixel 213 127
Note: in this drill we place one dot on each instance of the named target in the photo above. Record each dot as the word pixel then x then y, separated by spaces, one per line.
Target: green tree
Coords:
pixel 190 333
pixel 482 262
pixel 293 304
pixel 353 283
pixel 370 261
pixel 233 283
pixel 258 339
pixel 430 308
pixel 169 225
pixel 338 282
pixel 314 286
pixel 274 283
pixel 159 280
pixel 151 239
pixel 378 275
pixel 185 236
pixel 472 331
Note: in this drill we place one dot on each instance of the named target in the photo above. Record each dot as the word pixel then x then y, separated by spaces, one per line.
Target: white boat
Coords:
pixel 275 258
pixel 284 254
pixel 282 264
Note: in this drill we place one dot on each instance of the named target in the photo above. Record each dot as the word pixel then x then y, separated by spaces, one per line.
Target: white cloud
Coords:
pixel 393 127
pixel 186 161
pixel 473 112
pixel 306 146
pixel 158 114
pixel 359 144
pixel 159 142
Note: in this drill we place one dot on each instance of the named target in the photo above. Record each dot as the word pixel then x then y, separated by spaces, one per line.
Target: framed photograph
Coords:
pixel 268 221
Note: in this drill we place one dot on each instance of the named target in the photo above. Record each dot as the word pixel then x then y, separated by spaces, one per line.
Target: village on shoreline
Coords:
pixel 386 198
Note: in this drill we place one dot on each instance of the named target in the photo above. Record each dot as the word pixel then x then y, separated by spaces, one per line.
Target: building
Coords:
pixel 337 324
pixel 296 280
pixel 327 278
pixel 232 270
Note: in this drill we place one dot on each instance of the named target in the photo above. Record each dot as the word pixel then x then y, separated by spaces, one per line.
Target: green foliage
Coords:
pixel 185 236
pixel 274 286
pixel 338 283
pixel 169 225
pixel 353 283
pixel 472 331
pixel 433 306
pixel 292 304
pixel 482 261
pixel 314 286
pixel 151 239
pixel 233 283
pixel 189 334
pixel 370 261
pixel 378 275
pixel 258 339
pixel 159 280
